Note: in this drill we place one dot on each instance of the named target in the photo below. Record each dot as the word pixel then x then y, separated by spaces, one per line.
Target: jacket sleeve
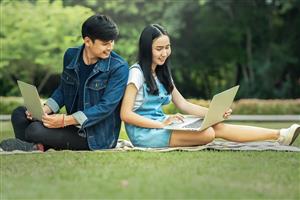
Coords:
pixel 56 101
pixel 110 100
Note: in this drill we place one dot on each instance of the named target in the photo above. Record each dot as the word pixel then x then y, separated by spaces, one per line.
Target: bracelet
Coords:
pixel 63 121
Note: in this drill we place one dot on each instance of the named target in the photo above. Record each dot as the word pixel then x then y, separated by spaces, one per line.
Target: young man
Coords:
pixel 91 88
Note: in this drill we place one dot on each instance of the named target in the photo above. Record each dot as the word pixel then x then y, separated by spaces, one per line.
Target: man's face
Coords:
pixel 99 48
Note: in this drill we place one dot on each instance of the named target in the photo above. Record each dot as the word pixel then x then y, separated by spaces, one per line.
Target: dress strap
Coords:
pixel 136 65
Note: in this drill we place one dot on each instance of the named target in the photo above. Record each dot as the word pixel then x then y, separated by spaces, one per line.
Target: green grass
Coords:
pixel 140 175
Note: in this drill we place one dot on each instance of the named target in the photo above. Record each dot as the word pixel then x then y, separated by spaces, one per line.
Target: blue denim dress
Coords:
pixel 151 108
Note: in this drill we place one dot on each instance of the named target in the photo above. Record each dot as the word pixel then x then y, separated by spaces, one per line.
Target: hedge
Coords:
pixel 253 107
pixel 8 104
pixel 242 107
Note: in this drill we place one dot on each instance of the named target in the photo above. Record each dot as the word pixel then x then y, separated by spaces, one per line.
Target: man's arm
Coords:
pixel 56 101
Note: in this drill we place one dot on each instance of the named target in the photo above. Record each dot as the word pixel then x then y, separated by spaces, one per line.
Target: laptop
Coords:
pixel 219 105
pixel 31 100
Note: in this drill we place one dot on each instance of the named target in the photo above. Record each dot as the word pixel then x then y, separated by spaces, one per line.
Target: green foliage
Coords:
pixel 215 44
pixel 34 38
pixel 8 104
pixel 243 107
pixel 239 42
pixel 265 107
pixel 132 16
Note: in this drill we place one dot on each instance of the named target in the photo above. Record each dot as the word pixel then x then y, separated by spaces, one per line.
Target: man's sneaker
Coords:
pixel 288 135
pixel 16 144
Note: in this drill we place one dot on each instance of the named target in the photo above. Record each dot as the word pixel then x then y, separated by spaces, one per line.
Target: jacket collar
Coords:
pixel 102 65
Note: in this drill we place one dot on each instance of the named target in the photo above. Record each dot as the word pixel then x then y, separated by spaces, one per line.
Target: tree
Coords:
pixel 215 44
pixel 244 42
pixel 33 39
pixel 132 16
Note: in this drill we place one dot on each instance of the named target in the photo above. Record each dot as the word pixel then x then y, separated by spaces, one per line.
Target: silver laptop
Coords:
pixel 219 105
pixel 31 100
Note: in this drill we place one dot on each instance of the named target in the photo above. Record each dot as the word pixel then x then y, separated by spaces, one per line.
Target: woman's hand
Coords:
pixel 173 119
pixel 53 121
pixel 227 113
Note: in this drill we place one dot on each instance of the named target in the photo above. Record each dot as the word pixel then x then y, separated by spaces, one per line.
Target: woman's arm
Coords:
pixel 130 117
pixel 185 106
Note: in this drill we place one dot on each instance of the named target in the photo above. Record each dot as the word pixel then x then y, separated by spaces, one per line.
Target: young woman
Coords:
pixel 150 86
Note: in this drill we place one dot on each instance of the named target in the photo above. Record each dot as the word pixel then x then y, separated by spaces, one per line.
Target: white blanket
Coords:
pixel 124 145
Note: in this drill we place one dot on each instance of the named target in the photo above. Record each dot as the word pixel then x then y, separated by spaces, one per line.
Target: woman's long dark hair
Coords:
pixel 163 72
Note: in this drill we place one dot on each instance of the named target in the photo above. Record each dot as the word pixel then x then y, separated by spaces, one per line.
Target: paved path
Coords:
pixel 4 117
pixel 273 118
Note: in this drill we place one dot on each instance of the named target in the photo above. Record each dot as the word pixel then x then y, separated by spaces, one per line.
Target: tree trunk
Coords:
pixel 249 54
pixel 44 81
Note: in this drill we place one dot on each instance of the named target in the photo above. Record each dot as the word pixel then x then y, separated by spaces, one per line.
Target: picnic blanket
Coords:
pixel 124 145
pixel 220 145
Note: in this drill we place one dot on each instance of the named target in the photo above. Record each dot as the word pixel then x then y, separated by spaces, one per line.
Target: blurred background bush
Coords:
pixel 215 44
pixel 241 107
pixel 252 107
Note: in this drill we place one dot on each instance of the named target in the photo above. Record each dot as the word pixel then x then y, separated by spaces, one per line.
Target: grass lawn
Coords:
pixel 144 175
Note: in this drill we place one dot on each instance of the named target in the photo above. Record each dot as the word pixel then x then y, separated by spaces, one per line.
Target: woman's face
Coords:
pixel 161 50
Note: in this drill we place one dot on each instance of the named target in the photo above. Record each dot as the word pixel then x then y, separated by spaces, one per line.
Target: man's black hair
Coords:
pixel 99 27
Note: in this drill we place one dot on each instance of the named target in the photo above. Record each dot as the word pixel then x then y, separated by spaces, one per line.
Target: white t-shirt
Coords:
pixel 136 77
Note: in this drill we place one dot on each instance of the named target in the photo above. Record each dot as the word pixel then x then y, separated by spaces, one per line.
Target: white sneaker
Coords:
pixel 288 135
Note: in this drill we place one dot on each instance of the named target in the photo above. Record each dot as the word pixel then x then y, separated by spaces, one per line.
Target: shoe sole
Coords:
pixel 296 134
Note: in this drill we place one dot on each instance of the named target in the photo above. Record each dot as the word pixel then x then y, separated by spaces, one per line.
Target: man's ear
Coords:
pixel 87 41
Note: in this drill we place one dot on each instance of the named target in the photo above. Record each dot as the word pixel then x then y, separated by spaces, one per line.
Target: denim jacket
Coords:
pixel 103 90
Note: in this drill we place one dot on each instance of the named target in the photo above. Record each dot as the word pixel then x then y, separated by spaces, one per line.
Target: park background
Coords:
pixel 216 44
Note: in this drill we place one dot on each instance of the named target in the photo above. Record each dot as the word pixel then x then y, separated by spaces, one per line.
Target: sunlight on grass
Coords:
pixel 7 130
pixel 140 175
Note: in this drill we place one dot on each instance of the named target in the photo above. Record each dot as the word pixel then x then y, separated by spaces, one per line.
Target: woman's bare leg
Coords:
pixel 191 138
pixel 241 133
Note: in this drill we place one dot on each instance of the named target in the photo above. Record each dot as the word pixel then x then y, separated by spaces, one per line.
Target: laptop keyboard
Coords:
pixel 195 124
